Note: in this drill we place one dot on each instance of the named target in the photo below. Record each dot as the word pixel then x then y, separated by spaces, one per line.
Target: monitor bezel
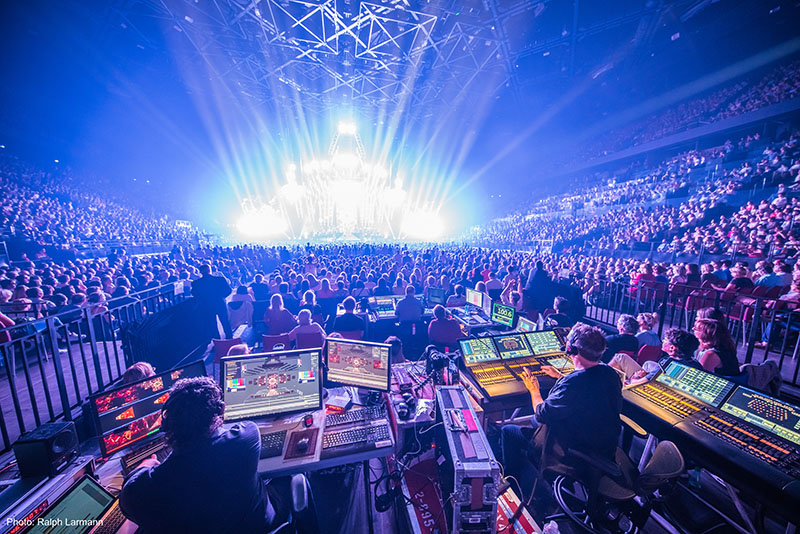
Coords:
pixel 513 315
pixel 524 344
pixel 468 303
pixel 334 383
pixel 521 319
pixel 443 293
pixel 61 498
pixel 261 355
pixel 469 364
pixel 96 416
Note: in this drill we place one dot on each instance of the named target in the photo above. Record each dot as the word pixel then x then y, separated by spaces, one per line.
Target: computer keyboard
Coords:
pixel 355 415
pixel 272 444
pixel 111 522
pixel 668 399
pixel 131 460
pixel 373 434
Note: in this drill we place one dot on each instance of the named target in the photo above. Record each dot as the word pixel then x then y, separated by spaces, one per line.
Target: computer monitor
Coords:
pixel 383 306
pixel 85 503
pixel 502 314
pixel 525 325
pixel 130 413
pixel 773 415
pixel 543 342
pixel 437 295
pixel 478 350
pixel 487 305
pixel 362 364
pixel 474 298
pixel 511 346
pixel 271 383
pixel 703 386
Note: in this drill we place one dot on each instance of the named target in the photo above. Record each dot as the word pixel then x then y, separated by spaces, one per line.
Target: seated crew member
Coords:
pixel 580 412
pixel 210 481
pixel 680 346
pixel 349 321
pixel 410 308
pixel 306 326
pixel 560 317
pixel 459 298
pixel 624 341
pixel 443 330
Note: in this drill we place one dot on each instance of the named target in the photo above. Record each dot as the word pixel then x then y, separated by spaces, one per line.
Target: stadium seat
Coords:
pixel 222 346
pixel 279 342
pixel 648 353
pixel 309 341
pixel 355 335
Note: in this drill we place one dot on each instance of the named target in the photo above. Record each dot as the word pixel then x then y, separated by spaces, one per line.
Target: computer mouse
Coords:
pixel 302 444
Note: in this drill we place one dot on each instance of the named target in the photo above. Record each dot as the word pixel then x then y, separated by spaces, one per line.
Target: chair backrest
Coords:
pixel 309 341
pixel 355 335
pixel 664 466
pixel 222 346
pixel 773 292
pixel 270 342
pixel 648 353
pixel 759 291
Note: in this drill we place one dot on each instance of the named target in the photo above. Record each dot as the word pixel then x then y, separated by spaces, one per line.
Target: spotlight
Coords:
pixel 347 128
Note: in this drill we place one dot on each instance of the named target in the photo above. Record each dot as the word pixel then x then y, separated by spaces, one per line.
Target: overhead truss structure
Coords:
pixel 375 54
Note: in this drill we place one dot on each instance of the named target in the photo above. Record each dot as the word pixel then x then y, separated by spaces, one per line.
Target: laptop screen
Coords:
pixel 76 511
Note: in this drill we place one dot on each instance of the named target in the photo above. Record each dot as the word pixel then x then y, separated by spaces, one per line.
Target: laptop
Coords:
pixel 85 508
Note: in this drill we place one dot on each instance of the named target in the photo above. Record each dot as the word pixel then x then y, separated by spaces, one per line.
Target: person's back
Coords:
pixel 409 308
pixel 443 330
pixel 582 410
pixel 210 481
pixel 212 487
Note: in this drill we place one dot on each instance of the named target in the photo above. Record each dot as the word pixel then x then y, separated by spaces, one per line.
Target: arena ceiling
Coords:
pixel 414 53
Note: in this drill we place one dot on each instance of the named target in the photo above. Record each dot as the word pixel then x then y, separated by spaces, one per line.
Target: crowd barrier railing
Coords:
pixel 50 365
pixel 764 322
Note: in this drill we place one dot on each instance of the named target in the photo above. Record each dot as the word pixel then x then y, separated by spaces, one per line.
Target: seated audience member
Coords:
pixel 5 322
pixel 458 298
pixel 680 346
pixel 646 335
pixel 210 477
pixel 306 326
pixel 560 318
pixel 240 308
pixel 259 289
pixel 278 319
pixel 137 371
pixel 443 330
pixel 349 321
pixel 739 280
pixel 625 341
pixel 768 277
pixel 289 301
pixel 310 303
pixel 238 350
pixel 717 351
pixel 396 351
pixel 410 308
pixel 581 412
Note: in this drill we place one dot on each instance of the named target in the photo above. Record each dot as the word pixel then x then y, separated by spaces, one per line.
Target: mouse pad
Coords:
pixel 293 451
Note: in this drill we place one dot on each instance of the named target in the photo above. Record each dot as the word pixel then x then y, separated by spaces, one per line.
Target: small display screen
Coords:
pixel 359 363
pixel 773 415
pixel 436 295
pixel 512 346
pixel 544 342
pixel 474 298
pixel 502 314
pixel 703 386
pixel 477 350
pixel 259 385
pixel 525 325
pixel 84 503
pixel 130 413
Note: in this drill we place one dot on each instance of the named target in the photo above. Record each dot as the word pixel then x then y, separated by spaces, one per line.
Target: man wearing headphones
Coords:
pixel 210 482
pixel 581 411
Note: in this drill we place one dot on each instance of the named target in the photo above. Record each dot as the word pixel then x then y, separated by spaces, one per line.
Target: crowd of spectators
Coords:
pixel 52 210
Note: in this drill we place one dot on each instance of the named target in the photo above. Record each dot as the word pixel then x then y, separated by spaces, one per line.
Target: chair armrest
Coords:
pixel 631 425
pixel 603 465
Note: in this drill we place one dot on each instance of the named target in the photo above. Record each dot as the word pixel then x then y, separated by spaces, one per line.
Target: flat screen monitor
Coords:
pixel 703 386
pixel 130 413
pixel 437 295
pixel 525 325
pixel 358 363
pixel 543 342
pixel 478 350
pixel 272 383
pixel 487 305
pixel 474 298
pixel 512 346
pixel 773 415
pixel 502 314
pixel 84 503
